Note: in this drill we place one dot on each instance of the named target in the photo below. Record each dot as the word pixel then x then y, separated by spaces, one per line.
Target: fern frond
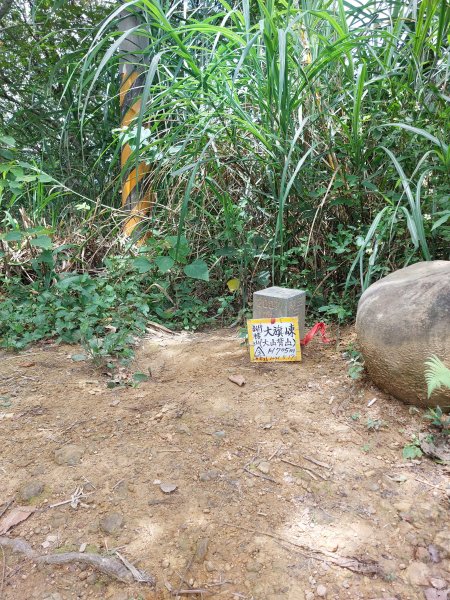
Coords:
pixel 436 374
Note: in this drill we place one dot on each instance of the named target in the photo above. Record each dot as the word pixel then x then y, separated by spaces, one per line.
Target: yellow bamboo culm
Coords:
pixel 136 196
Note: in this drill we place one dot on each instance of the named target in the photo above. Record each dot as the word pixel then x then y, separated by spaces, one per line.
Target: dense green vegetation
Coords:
pixel 297 143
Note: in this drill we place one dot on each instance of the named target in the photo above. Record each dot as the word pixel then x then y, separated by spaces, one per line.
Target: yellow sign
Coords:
pixel 274 339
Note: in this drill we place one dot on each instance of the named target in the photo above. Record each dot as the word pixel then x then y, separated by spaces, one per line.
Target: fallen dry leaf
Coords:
pixel 237 379
pixel 26 365
pixel 438 448
pixel 16 516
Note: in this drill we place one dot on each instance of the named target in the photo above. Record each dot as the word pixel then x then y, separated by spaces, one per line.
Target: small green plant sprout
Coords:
pixel 412 450
pixel 437 375
pixel 243 336
pixel 375 424
pixel 139 378
pixel 439 419
pixel 356 362
pixel 355 416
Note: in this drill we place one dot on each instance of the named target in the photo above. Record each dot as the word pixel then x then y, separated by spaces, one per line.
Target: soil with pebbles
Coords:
pixel 205 484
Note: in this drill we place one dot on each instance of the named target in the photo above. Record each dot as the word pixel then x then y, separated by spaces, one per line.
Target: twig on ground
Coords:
pixel 316 462
pixel 248 448
pixel 5 506
pixel 158 326
pixel 218 583
pixel 117 484
pixel 368 567
pixel 74 424
pixel 2 581
pixel 139 576
pixel 437 487
pixel 191 592
pixel 74 500
pixel 275 453
pixel 266 477
pixel 89 482
pixel 309 471
pixel 107 565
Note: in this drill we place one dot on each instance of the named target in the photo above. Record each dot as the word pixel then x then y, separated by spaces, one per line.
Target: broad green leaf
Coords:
pixel 164 263
pixel 142 264
pixel 197 270
pixel 45 178
pixel 69 281
pixel 7 154
pixel 411 451
pixel 45 257
pixel 42 241
pixel 445 217
pixel 226 251
pixel 140 377
pixel 172 240
pixel 13 236
pixel 7 140
pixel 39 230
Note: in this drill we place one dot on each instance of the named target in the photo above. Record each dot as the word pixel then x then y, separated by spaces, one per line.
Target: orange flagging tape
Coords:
pixel 318 328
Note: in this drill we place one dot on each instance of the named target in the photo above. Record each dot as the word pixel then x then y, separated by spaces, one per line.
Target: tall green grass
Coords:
pixel 302 142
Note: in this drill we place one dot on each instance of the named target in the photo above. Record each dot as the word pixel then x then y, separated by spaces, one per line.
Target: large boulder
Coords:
pixel 401 321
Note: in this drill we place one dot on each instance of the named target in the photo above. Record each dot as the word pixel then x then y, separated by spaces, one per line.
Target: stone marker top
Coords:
pixel 275 302
pixel 279 292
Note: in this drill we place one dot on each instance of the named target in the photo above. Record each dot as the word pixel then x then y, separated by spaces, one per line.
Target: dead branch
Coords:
pixel 191 592
pixel 139 576
pixel 311 473
pixel 266 477
pixel 316 462
pixel 107 565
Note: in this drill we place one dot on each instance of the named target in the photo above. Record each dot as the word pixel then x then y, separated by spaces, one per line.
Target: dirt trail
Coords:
pixel 239 458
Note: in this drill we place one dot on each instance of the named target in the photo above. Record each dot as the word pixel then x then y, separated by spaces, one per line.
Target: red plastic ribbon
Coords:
pixel 317 328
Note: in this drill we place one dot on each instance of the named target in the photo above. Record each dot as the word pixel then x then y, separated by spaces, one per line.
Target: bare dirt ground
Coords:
pixel 279 482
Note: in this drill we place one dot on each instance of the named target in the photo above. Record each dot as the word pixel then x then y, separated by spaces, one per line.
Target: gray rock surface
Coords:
pixel 111 523
pixel 30 490
pixel 402 320
pixel 69 455
pixel 202 549
pixel 209 475
pixel 418 573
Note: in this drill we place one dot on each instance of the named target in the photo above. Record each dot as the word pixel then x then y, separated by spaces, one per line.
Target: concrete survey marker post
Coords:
pixel 274 339
pixel 276 302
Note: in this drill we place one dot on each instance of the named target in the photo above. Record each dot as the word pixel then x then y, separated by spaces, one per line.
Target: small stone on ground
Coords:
pixel 111 523
pixel 69 455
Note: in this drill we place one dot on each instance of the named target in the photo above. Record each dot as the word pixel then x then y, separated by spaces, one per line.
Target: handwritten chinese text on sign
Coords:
pixel 274 339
